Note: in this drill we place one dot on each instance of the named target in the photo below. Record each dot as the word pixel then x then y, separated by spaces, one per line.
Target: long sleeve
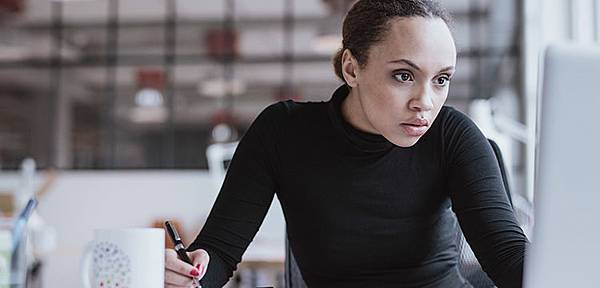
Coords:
pixel 481 204
pixel 243 200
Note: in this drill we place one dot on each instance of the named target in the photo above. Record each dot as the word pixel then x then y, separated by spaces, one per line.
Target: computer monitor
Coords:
pixel 565 250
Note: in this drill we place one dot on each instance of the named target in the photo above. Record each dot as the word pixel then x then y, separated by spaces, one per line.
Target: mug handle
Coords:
pixel 86 262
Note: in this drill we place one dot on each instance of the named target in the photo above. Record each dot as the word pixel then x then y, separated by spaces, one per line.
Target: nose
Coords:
pixel 422 100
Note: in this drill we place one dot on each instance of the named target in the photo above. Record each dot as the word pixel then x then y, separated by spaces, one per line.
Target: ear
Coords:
pixel 349 68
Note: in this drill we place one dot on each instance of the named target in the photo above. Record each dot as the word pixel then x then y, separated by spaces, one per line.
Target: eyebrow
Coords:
pixel 412 64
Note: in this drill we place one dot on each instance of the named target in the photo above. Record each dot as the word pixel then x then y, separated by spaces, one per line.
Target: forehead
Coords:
pixel 425 41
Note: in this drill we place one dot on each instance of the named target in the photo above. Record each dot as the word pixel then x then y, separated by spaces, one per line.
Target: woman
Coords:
pixel 368 180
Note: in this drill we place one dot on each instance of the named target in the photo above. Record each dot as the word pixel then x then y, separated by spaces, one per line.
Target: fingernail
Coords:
pixel 200 268
pixel 195 272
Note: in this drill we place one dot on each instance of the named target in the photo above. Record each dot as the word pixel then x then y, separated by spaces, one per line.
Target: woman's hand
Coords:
pixel 179 274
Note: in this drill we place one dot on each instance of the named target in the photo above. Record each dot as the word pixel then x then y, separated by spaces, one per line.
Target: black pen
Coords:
pixel 179 247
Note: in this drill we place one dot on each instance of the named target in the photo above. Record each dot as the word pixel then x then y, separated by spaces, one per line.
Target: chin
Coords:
pixel 404 141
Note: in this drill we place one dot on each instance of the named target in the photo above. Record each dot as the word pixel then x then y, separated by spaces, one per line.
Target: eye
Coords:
pixel 403 76
pixel 442 81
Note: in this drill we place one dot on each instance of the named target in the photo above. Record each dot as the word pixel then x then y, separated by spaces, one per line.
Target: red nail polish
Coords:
pixel 195 272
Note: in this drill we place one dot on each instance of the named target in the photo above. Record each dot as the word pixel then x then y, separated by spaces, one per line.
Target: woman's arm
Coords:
pixel 244 198
pixel 480 202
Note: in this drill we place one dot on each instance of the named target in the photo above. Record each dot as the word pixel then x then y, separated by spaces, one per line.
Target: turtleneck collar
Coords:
pixel 364 141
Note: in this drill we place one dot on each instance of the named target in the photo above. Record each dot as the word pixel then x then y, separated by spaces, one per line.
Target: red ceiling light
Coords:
pixel 222 43
pixel 149 101
pixel 223 116
pixel 12 6
pixel 224 125
pixel 150 82
pixel 150 78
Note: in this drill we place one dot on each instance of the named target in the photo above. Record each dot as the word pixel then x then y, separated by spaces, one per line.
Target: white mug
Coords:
pixel 125 258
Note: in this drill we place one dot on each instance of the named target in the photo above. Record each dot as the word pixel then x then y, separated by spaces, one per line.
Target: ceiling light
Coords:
pixel 222 132
pixel 148 97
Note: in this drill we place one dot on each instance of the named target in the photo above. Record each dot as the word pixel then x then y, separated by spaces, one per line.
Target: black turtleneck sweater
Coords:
pixel 361 211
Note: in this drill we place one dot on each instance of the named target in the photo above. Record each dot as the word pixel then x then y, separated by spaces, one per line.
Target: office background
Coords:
pixel 121 98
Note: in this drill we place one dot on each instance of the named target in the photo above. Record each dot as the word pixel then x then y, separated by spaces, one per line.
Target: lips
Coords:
pixel 415 127
pixel 417 122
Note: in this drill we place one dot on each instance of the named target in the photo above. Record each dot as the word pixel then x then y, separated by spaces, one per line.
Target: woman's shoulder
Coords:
pixel 281 116
pixel 291 108
pixel 287 112
pixel 459 133
pixel 452 120
pixel 449 113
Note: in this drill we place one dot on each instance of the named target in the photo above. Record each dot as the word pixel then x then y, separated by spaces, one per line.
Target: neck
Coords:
pixel 354 114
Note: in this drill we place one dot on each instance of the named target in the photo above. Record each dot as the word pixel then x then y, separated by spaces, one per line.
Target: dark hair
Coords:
pixel 367 21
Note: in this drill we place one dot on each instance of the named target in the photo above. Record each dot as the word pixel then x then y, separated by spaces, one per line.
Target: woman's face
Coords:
pixel 405 81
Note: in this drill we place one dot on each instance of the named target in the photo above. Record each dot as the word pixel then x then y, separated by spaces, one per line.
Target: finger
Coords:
pixel 177 279
pixel 178 266
pixel 201 259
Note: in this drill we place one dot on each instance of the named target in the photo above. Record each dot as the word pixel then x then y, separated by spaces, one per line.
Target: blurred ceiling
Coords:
pixel 28 45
